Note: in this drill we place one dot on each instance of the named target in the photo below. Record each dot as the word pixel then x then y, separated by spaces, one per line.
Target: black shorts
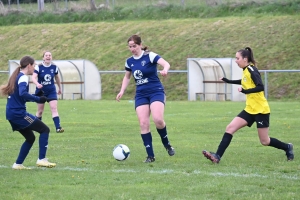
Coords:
pixel 262 120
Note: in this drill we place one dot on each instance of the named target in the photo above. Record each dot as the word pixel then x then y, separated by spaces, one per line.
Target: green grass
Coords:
pixel 86 169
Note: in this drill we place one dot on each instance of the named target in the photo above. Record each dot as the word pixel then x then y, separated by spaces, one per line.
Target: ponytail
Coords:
pixel 10 86
pixel 248 53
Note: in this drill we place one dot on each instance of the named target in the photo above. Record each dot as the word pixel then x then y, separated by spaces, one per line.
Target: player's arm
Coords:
pixel 34 77
pixel 57 80
pixel 259 86
pixel 238 82
pixel 125 83
pixel 165 65
pixel 25 95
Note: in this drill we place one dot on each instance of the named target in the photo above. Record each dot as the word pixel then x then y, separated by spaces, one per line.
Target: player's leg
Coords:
pixel 44 131
pixel 25 148
pixel 40 110
pixel 262 121
pixel 157 111
pixel 55 116
pixel 143 114
pixel 242 120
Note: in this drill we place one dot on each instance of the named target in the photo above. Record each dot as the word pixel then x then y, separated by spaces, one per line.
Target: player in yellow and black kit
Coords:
pixel 257 109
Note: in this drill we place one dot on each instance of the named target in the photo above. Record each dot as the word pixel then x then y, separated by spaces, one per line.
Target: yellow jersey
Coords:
pixel 255 102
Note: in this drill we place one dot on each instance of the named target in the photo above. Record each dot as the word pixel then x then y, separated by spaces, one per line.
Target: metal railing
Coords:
pixel 265 72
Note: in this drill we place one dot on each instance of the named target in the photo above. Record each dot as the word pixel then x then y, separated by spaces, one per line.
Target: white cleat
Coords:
pixel 19 166
pixel 45 163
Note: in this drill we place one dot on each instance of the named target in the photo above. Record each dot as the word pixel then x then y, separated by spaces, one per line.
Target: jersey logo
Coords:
pixel 47 77
pixel 143 63
pixel 137 74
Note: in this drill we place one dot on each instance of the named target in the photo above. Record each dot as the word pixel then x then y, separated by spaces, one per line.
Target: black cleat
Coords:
pixel 149 159
pixel 213 157
pixel 290 153
pixel 170 150
pixel 60 130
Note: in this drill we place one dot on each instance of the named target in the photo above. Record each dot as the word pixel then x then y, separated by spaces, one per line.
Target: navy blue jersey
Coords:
pixel 144 71
pixel 45 75
pixel 16 102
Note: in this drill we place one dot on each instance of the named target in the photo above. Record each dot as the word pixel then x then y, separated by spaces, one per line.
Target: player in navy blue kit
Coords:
pixel 22 121
pixel 150 96
pixel 43 77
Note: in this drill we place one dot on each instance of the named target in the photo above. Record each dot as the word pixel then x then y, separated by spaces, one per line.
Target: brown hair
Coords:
pixel 137 40
pixel 10 86
pixel 248 53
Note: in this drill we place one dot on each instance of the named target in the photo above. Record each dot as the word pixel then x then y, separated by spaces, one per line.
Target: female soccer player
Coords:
pixel 20 119
pixel 43 77
pixel 150 96
pixel 257 109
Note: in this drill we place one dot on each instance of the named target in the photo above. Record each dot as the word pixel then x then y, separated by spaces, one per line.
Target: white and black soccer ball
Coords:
pixel 121 152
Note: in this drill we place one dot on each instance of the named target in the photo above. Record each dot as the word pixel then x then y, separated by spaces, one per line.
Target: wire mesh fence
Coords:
pixel 8 6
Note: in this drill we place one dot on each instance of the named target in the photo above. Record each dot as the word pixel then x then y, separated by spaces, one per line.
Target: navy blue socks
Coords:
pixel 147 139
pixel 25 148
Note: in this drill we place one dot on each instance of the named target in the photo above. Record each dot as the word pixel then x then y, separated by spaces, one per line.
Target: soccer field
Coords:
pixel 86 168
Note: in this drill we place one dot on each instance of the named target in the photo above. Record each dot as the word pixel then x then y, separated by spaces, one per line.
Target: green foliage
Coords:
pixel 86 168
pixel 153 12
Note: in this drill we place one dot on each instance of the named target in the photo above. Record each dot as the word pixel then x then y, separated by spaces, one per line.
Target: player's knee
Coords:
pixel 144 125
pixel 30 139
pixel 45 129
pixel 265 142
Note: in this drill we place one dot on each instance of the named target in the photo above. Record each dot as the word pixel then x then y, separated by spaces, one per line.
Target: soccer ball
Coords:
pixel 121 152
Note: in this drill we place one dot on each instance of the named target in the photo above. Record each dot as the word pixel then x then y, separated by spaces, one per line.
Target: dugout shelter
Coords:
pixel 204 79
pixel 80 79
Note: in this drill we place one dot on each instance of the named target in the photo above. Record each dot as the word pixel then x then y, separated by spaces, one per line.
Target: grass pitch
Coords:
pixel 86 168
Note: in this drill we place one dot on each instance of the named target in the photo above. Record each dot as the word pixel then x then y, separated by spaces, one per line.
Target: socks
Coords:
pixel 278 144
pixel 224 144
pixel 164 136
pixel 147 139
pixel 56 121
pixel 43 145
pixel 25 148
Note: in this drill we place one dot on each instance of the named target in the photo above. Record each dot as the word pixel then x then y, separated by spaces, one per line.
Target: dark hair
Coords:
pixel 248 53
pixel 137 40
pixel 46 52
pixel 10 87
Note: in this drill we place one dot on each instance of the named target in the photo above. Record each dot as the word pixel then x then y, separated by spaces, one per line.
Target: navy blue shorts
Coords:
pixel 19 123
pixel 147 99
pixel 50 95
pixel 262 120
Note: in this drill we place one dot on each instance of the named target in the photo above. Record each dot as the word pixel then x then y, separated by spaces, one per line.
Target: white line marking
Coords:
pixel 170 171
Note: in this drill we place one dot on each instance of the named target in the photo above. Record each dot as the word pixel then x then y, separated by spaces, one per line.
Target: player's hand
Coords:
pixel 43 99
pixel 163 73
pixel 39 86
pixel 40 93
pixel 118 97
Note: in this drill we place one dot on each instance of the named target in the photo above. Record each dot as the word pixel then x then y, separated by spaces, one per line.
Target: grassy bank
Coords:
pixel 274 39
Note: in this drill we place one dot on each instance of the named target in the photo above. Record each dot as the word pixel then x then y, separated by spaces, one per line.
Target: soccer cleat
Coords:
pixel 19 166
pixel 45 163
pixel 149 159
pixel 60 130
pixel 290 153
pixel 213 157
pixel 171 150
